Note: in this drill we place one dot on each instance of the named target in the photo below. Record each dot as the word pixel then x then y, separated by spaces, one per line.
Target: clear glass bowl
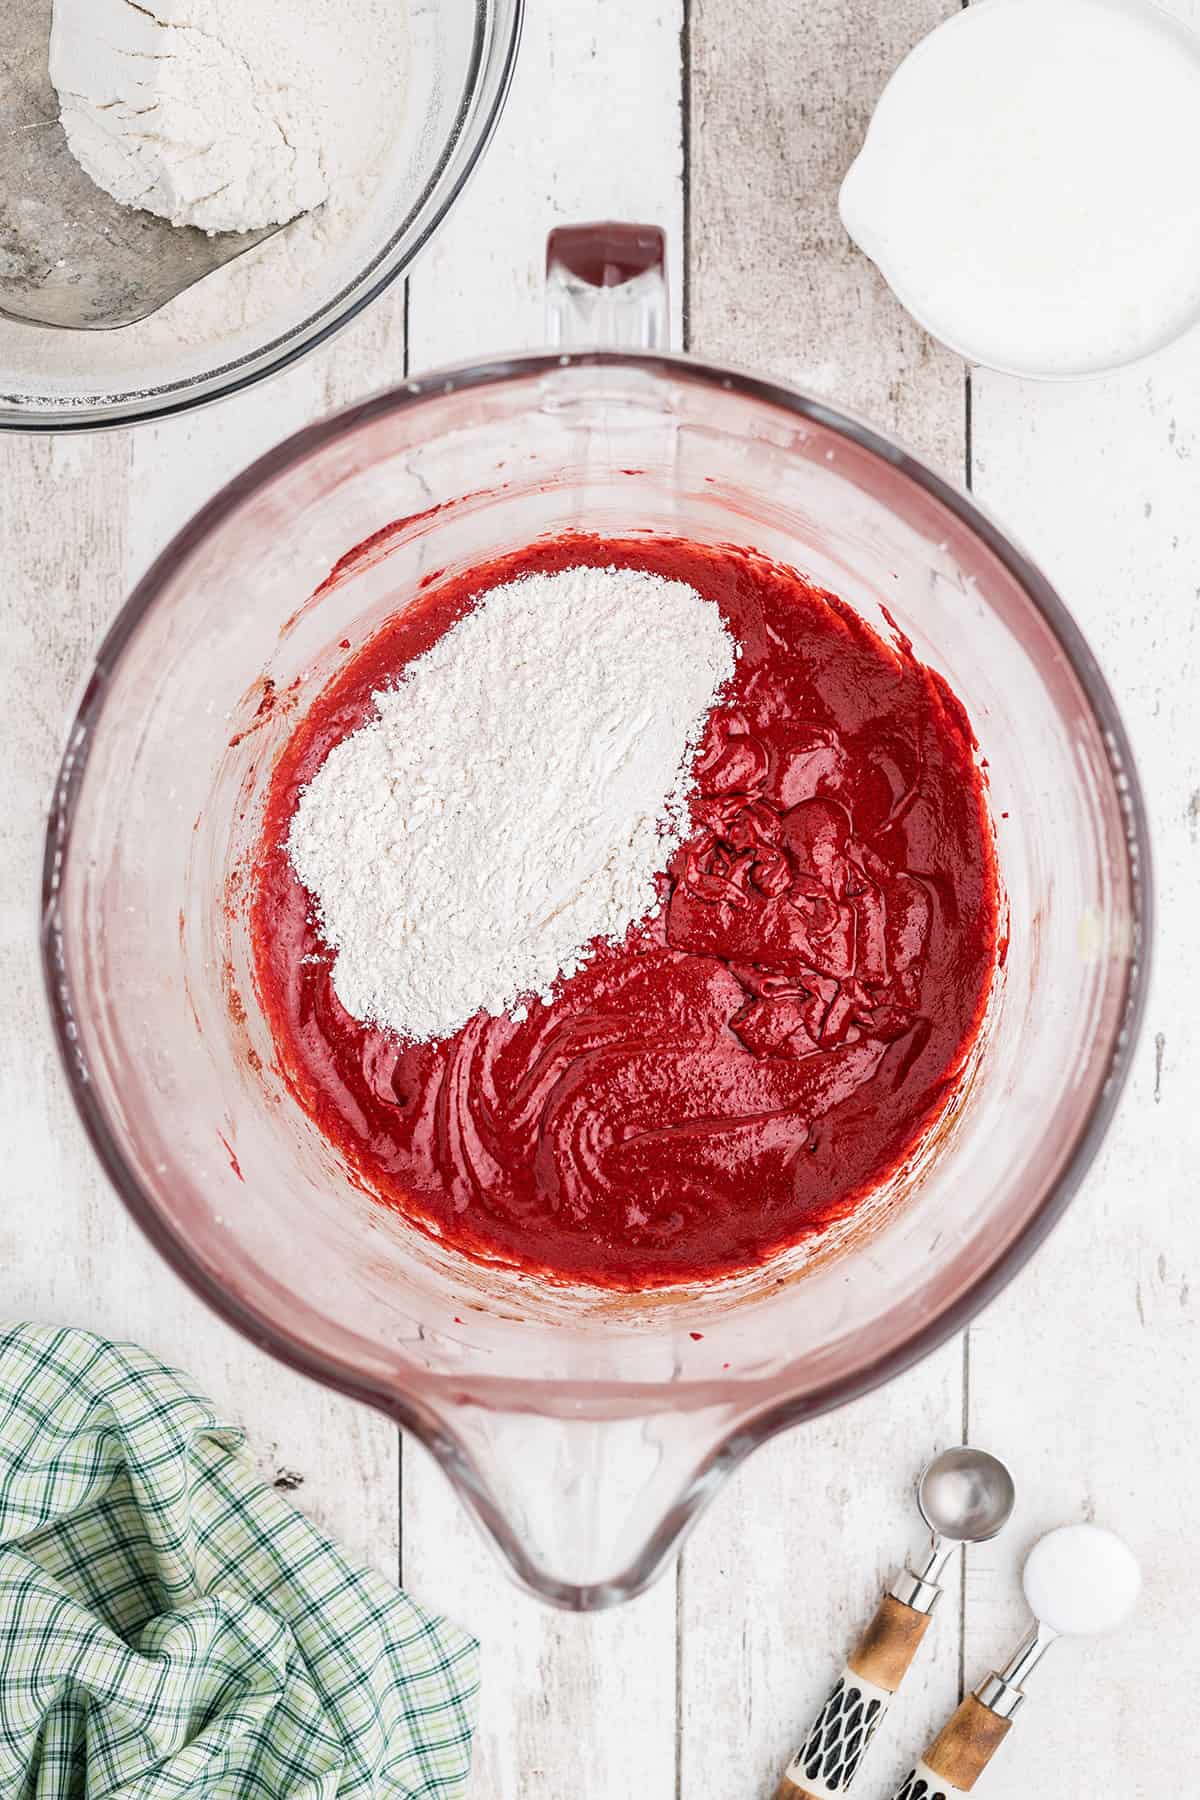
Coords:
pixel 583 1429
pixel 461 56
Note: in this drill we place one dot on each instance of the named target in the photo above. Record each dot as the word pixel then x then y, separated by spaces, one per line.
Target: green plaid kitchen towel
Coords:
pixel 171 1626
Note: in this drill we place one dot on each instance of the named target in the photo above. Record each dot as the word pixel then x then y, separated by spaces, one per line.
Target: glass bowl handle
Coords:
pixel 606 288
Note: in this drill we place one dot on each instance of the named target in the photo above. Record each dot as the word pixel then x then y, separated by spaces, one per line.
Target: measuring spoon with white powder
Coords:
pixel 1028 185
pixel 1080 1581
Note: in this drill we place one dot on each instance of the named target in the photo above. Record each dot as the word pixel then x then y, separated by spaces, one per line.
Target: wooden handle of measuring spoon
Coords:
pixel 959 1753
pixel 828 1760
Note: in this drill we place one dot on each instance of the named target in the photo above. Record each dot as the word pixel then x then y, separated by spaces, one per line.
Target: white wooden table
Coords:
pixel 730 122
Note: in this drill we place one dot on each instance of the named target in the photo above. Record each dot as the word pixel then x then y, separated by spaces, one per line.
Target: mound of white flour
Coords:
pixel 225 114
pixel 518 793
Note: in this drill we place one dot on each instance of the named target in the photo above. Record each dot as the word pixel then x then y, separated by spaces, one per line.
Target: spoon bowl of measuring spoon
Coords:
pixel 966 1496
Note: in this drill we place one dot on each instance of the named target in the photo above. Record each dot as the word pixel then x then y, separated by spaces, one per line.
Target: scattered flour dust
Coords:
pixel 516 796
pixel 229 115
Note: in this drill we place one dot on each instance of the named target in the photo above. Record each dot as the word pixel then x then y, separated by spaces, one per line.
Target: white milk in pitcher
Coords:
pixel 1030 183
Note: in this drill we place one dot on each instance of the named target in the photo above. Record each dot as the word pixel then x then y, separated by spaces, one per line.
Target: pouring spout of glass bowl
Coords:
pixel 588 1505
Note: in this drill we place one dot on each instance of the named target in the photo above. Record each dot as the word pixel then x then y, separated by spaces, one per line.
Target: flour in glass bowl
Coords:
pixel 514 800
pixel 372 63
pixel 229 115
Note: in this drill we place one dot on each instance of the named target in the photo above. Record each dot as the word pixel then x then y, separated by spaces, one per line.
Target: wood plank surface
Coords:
pixel 80 520
pixel 780 99
pixel 1087 1367
pixel 1084 1373
pixel 1100 481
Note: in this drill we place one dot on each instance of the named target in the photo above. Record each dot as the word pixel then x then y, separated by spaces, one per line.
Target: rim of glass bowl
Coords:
pixel 497 37
pixel 342 1373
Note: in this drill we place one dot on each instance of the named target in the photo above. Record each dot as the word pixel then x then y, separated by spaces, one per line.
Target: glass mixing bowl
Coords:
pixel 274 305
pixel 583 1429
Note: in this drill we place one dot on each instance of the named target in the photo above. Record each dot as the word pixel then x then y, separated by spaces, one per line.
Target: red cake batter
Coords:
pixel 743 1068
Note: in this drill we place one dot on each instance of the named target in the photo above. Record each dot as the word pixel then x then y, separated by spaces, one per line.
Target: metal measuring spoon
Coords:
pixel 965 1497
pixel 71 255
pixel 1079 1581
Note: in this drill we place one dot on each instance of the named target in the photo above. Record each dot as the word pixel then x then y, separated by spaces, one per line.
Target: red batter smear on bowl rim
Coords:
pixel 749 1064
